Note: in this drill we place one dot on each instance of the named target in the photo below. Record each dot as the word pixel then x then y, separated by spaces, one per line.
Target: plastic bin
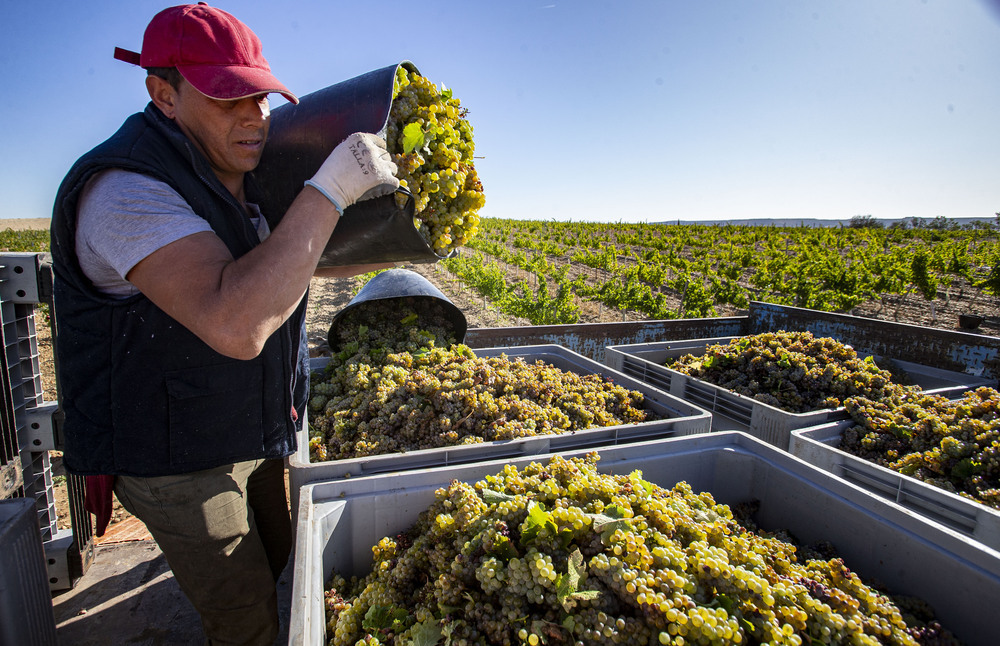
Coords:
pixel 732 411
pixel 817 445
pixel 26 615
pixel 339 521
pixel 679 418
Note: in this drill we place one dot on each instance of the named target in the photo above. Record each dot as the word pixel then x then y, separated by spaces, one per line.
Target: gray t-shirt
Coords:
pixel 123 217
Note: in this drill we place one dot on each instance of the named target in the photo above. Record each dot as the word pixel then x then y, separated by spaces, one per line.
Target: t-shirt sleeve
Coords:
pixel 122 218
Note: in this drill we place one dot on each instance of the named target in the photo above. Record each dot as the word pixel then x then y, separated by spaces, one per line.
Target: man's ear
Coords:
pixel 163 95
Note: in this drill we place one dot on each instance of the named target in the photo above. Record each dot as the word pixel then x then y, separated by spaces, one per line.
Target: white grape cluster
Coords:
pixel 401 383
pixel 560 554
pixel 431 143
pixel 951 444
pixel 794 371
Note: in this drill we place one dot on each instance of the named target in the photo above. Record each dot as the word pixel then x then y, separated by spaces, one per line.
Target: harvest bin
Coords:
pixel 26 615
pixel 300 139
pixel 817 445
pixel 339 521
pixel 680 418
pixel 732 411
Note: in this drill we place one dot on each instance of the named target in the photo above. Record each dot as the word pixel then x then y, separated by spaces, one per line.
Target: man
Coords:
pixel 183 361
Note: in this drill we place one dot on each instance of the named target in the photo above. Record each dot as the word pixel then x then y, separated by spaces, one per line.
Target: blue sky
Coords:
pixel 586 110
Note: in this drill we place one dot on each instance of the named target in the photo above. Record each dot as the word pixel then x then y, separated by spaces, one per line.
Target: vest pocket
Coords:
pixel 216 413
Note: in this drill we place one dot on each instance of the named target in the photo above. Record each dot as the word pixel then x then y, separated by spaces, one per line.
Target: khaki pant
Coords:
pixel 226 534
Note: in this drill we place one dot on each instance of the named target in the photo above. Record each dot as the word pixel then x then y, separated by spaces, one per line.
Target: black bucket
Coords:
pixel 412 290
pixel 301 137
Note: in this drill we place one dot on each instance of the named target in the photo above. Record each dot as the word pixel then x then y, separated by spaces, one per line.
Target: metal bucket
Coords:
pixel 412 290
pixel 300 139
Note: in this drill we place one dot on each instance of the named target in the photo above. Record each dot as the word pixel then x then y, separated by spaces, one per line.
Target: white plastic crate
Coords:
pixel 732 411
pixel 339 521
pixel 817 445
pixel 679 418
pixel 26 615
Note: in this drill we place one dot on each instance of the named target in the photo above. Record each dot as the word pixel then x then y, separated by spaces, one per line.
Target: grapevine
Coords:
pixel 401 383
pixel 430 141
pixel 794 371
pixel 951 444
pixel 562 554
pixel 819 268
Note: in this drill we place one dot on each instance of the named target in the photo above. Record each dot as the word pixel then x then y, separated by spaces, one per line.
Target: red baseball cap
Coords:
pixel 216 53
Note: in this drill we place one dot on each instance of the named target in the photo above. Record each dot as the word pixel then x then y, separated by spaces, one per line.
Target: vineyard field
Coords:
pixel 559 272
pixel 531 272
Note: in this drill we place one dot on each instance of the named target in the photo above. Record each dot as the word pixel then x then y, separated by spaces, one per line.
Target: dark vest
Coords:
pixel 142 395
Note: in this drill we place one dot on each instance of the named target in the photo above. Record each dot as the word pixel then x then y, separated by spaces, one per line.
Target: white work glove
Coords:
pixel 359 168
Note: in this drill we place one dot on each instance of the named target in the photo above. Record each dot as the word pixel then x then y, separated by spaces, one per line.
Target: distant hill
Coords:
pixel 813 222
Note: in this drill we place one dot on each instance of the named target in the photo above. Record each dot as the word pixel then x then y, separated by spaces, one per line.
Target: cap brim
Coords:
pixel 230 82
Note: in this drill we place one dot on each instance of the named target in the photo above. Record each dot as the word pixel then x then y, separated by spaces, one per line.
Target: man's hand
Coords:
pixel 359 168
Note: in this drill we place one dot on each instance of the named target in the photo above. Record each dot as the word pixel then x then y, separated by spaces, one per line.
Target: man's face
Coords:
pixel 231 134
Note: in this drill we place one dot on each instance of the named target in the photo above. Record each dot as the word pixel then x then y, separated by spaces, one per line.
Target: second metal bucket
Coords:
pixel 412 290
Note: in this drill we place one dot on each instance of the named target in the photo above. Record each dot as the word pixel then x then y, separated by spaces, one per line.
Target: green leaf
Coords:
pixel 566 584
pixel 503 549
pixel 382 617
pixel 450 627
pixel 966 468
pixel 413 137
pixel 613 518
pixel 426 633
pixel 491 497
pixel 537 519
pixel 409 319
pixel 446 93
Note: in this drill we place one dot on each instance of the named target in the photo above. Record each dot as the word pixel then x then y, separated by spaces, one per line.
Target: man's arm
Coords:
pixel 234 305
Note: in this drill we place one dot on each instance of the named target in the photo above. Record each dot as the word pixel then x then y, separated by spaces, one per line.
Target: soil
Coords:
pixel 327 296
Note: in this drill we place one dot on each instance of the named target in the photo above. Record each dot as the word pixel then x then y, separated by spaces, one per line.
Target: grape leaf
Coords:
pixel 612 519
pixel 537 519
pixel 446 93
pixel 426 633
pixel 381 617
pixel 503 549
pixel 413 137
pixel 491 497
pixel 566 584
pixel 966 468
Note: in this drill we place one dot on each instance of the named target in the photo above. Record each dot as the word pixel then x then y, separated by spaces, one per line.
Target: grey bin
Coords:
pixel 679 418
pixel 26 614
pixel 339 522
pixel 410 289
pixel 732 411
pixel 817 445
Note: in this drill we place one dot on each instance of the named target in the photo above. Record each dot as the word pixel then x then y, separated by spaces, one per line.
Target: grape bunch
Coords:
pixel 430 141
pixel 794 371
pixel 560 554
pixel 401 383
pixel 951 444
